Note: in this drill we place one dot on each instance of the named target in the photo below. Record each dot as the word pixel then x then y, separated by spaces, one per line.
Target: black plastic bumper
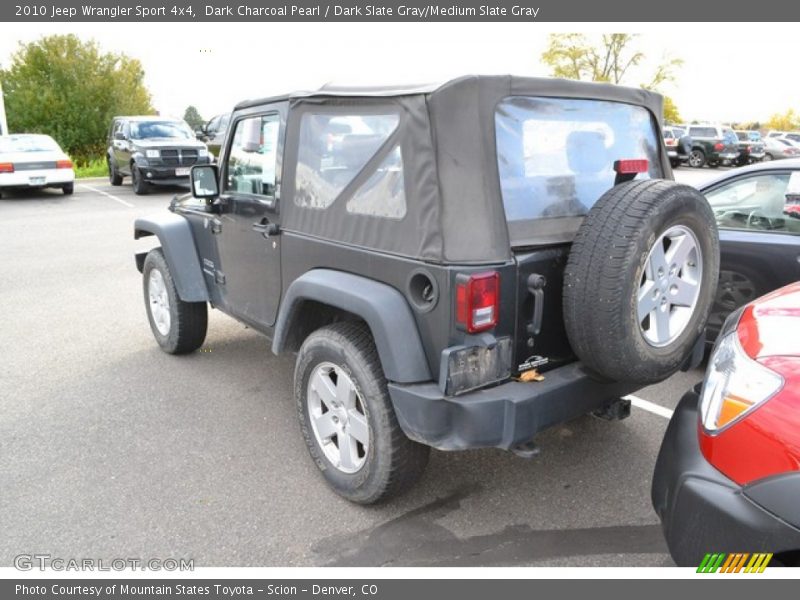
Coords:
pixel 503 416
pixel 703 511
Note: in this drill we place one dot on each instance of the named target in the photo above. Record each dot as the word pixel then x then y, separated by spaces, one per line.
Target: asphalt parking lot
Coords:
pixel 111 448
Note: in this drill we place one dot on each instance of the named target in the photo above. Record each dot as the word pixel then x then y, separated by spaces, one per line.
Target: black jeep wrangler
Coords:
pixel 456 266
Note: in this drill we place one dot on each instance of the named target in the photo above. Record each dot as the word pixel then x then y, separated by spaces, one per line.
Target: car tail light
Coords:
pixel 719 146
pixel 477 301
pixel 63 164
pixel 671 142
pixel 630 166
pixel 6 167
pixel 735 384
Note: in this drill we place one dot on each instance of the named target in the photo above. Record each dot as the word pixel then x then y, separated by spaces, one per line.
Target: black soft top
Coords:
pixel 455 210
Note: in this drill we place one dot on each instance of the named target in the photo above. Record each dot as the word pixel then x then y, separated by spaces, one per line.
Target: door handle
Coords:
pixel 265 228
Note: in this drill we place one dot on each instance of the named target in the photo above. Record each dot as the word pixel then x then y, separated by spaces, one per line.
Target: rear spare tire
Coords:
pixel 640 280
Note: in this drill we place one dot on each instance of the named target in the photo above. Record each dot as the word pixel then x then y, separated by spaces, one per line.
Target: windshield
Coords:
pixel 148 130
pixel 28 143
pixel 556 156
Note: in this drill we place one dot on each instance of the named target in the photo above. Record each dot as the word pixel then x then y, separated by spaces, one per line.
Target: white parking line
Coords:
pixel 650 406
pixel 106 194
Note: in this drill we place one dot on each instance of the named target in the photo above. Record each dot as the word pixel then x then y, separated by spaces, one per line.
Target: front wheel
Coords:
pixel 179 327
pixel 140 186
pixel 767 157
pixel 346 416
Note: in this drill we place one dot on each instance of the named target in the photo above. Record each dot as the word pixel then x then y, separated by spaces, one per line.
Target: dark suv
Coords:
pixel 456 266
pixel 152 150
pixel 213 132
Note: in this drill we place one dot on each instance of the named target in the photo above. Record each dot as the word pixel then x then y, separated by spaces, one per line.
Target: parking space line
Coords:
pixel 106 194
pixel 656 409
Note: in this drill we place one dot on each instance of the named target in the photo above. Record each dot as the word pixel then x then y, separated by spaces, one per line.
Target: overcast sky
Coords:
pixel 213 66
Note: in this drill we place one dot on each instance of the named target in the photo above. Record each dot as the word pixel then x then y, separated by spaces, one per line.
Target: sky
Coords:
pixel 215 65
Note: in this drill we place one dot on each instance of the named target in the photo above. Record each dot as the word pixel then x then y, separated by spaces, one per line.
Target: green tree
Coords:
pixel 193 118
pixel 612 58
pixel 787 121
pixel 69 89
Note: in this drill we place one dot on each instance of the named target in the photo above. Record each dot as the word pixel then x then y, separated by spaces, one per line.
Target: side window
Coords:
pixel 334 149
pixel 769 202
pixel 253 156
pixel 383 194
pixel 212 126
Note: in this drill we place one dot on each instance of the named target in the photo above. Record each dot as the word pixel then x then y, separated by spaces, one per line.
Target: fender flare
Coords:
pixel 383 308
pixel 177 243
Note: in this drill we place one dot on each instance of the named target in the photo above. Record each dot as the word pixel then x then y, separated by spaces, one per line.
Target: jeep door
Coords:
pixel 248 243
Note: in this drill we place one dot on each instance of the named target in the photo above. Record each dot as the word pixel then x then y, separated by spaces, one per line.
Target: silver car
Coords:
pixel 777 148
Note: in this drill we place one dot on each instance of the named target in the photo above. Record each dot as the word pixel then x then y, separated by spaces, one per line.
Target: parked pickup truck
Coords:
pixel 712 145
pixel 456 266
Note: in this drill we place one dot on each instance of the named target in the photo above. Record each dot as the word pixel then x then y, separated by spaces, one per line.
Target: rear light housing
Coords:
pixel 64 164
pixel 631 166
pixel 6 167
pixel 735 384
pixel 719 146
pixel 477 301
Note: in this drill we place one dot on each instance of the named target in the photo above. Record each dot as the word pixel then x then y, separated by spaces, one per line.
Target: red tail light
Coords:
pixel 477 301
pixel 671 142
pixel 719 146
pixel 63 164
pixel 6 167
pixel 631 165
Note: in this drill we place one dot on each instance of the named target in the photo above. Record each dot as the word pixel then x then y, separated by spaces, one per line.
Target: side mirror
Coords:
pixel 205 183
pixel 119 136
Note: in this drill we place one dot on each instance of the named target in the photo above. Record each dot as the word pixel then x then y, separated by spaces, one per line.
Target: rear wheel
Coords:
pixel 346 416
pixel 68 189
pixel 640 280
pixel 114 177
pixel 140 186
pixel 697 159
pixel 179 327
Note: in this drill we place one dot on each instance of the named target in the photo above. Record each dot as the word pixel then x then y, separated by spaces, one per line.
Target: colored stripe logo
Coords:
pixel 737 562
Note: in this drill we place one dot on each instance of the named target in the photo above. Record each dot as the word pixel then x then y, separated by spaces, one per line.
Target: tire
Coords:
pixel 697 158
pixel 768 157
pixel 675 163
pixel 140 186
pixel 712 164
pixel 114 178
pixel 389 462
pixel 68 189
pixel 614 262
pixel 184 328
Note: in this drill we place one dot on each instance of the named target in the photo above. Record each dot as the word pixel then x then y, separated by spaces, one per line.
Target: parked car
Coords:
pixel 213 132
pixel 751 147
pixel 441 291
pixel 777 148
pixel 678 145
pixel 712 145
pixel 794 136
pixel 727 478
pixel 756 210
pixel 152 150
pixel 34 161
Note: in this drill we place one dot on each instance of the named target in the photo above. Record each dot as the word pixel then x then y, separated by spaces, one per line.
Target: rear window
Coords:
pixel 742 135
pixel 28 143
pixel 709 132
pixel 668 135
pixel 556 158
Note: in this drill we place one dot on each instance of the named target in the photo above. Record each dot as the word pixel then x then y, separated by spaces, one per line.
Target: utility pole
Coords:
pixel 3 123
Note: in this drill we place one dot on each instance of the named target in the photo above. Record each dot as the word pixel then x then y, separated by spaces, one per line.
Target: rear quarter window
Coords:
pixel 556 156
pixel 708 132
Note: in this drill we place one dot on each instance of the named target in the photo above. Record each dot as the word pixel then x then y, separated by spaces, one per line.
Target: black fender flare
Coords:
pixel 177 243
pixel 383 308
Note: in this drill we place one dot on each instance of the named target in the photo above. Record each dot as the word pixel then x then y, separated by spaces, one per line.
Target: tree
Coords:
pixel 193 118
pixel 787 121
pixel 70 90
pixel 612 58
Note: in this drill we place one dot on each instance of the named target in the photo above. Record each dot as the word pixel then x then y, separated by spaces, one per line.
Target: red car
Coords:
pixel 727 477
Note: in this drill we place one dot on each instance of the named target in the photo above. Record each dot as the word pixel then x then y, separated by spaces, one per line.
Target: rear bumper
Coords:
pixel 503 416
pixel 37 178
pixel 703 511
